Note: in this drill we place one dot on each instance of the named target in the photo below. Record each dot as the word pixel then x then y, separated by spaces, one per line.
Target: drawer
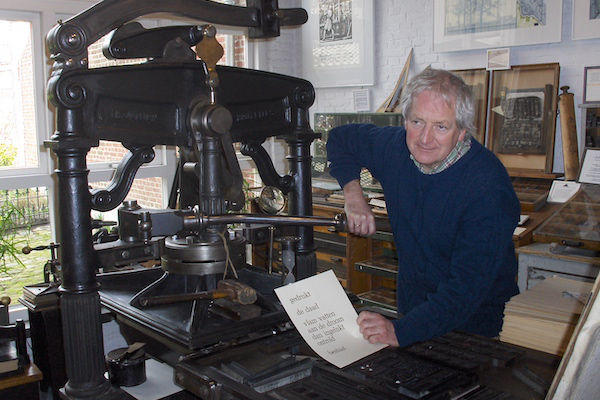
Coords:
pixel 536 275
pixel 381 297
pixel 339 269
pixel 386 267
pixel 330 237
pixel 332 247
pixel 331 257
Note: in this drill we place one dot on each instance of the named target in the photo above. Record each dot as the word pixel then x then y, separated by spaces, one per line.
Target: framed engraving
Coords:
pixel 591 84
pixel 586 19
pixel 590 166
pixel 522 120
pixel 337 43
pixel 498 59
pixel 464 24
pixel 478 81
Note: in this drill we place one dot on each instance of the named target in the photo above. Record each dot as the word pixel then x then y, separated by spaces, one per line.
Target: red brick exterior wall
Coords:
pixel 147 191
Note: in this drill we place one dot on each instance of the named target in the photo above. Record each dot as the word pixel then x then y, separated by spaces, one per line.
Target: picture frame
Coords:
pixel 522 117
pixel 478 80
pixel 589 172
pixel 337 43
pixel 591 84
pixel 502 28
pixel 498 59
pixel 586 20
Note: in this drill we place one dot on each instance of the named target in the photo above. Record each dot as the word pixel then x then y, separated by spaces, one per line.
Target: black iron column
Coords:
pixel 300 197
pixel 80 302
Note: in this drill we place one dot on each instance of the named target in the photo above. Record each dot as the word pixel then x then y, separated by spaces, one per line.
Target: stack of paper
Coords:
pixel 544 317
pixel 41 294
pixel 336 198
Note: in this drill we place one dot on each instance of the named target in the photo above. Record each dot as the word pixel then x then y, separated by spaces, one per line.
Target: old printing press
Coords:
pixel 205 311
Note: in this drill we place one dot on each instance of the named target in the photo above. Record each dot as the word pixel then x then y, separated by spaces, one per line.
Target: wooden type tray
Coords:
pixel 532 193
pixel 381 266
pixel 383 297
pixel 339 270
pixel 577 223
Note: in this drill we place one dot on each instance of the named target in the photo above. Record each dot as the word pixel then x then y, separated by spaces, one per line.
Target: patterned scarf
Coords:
pixel 461 148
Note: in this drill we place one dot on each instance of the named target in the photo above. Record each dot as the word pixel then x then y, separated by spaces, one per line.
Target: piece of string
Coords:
pixel 228 261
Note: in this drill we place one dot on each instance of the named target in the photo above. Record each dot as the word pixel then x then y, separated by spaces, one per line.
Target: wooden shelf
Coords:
pixel 340 251
pixel 338 269
pixel 536 218
pixel 380 297
pixel 589 105
pixel 22 386
pixel 383 266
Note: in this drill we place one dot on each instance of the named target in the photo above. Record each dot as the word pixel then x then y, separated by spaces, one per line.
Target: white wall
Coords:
pixel 400 25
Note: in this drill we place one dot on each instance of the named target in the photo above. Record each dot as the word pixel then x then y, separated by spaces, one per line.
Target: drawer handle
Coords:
pixel 336 259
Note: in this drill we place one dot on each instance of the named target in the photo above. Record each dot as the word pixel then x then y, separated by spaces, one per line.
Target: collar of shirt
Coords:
pixel 461 148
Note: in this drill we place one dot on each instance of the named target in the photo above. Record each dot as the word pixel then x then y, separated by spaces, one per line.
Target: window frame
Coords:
pixel 44 15
pixel 12 178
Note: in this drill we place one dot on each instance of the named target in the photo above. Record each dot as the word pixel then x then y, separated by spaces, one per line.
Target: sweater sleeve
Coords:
pixel 480 265
pixel 353 147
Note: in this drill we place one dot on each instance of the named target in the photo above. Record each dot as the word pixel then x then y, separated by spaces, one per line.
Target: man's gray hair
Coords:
pixel 452 89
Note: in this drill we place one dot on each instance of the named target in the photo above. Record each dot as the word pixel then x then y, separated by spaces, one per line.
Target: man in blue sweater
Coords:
pixel 451 206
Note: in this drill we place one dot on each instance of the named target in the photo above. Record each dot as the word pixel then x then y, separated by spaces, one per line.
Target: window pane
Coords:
pixel 236 55
pixel 147 191
pixel 24 222
pixel 252 186
pixel 18 137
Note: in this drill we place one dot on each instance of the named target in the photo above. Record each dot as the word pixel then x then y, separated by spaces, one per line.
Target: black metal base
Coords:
pixel 183 323
pixel 456 365
pixel 113 393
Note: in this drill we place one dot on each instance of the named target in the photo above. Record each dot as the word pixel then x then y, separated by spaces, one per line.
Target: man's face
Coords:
pixel 431 129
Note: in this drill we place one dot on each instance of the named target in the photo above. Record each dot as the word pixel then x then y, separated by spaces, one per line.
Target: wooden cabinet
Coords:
pixel 339 251
pixel 365 266
pixel 381 266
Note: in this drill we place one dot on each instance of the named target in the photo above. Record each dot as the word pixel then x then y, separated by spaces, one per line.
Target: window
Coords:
pixel 24 164
pixel 26 120
pixel 20 114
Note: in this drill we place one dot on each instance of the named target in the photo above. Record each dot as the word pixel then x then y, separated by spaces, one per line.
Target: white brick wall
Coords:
pixel 402 24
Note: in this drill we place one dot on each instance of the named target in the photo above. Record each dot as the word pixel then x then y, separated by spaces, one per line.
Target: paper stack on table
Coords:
pixel 544 317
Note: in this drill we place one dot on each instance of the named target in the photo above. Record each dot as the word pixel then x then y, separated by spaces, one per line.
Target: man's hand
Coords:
pixel 376 328
pixel 359 216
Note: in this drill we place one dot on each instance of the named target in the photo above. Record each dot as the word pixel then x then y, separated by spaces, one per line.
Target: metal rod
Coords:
pixel 184 297
pixel 271 238
pixel 339 221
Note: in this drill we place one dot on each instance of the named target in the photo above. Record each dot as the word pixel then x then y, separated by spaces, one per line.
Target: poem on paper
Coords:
pixel 322 313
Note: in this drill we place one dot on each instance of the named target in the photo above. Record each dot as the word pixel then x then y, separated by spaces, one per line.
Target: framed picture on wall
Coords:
pixel 590 166
pixel 591 84
pixel 337 43
pixel 522 120
pixel 586 19
pixel 478 81
pixel 464 24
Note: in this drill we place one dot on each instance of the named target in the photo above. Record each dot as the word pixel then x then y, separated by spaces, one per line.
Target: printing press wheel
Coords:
pixel 191 256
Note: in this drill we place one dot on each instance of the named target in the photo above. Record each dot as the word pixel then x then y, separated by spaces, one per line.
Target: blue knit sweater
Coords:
pixel 452 230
